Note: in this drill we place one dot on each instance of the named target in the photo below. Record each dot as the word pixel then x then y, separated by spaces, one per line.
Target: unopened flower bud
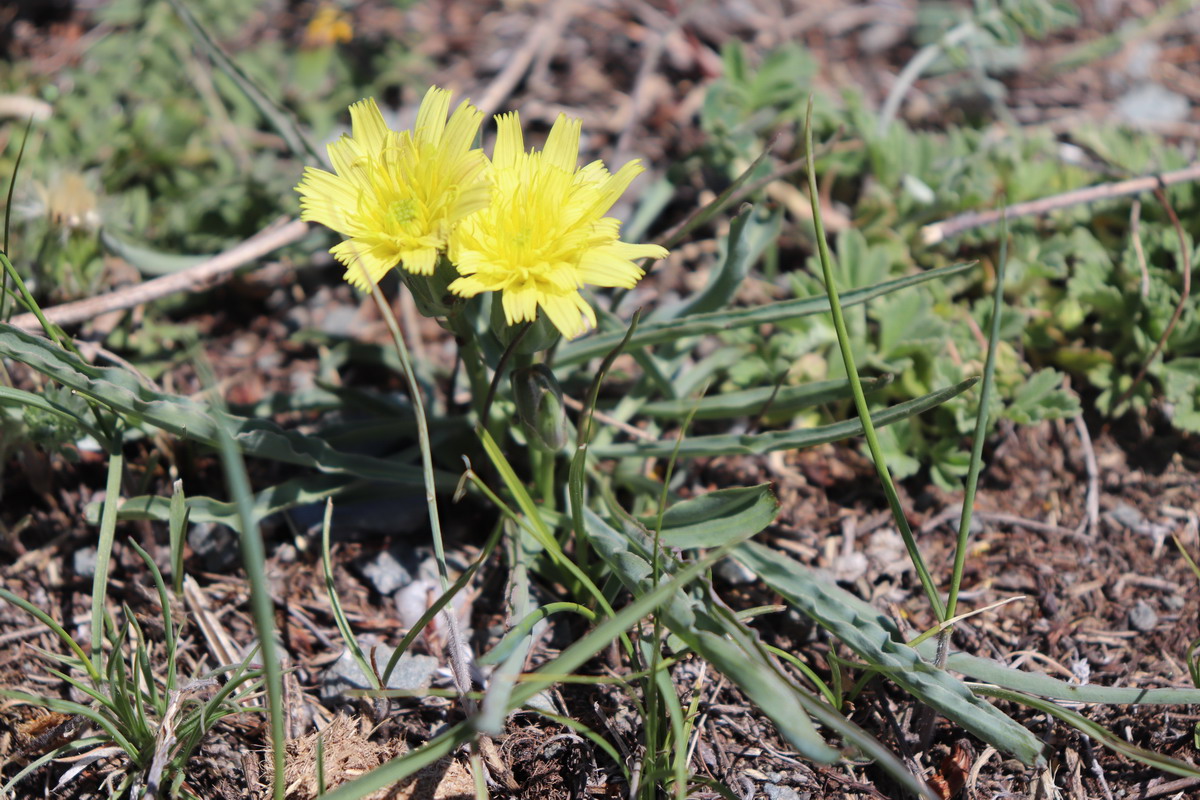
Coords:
pixel 540 409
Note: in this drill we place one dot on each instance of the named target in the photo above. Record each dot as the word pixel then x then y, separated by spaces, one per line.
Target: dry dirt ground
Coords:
pixel 1079 528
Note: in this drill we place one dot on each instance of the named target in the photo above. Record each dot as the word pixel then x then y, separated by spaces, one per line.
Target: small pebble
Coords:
pixel 1128 516
pixel 776 792
pixel 1150 103
pixel 83 561
pixel 388 570
pixel 1142 617
pixel 216 545
pixel 412 672
pixel 734 573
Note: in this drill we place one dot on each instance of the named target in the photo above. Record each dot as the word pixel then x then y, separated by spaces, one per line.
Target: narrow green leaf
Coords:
pixel 121 391
pixel 29 608
pixel 301 491
pixel 718 517
pixel 1097 732
pixel 707 212
pixel 875 639
pixel 745 242
pixel 712 631
pixel 177 522
pixel 655 333
pixel 759 443
pixel 748 402
pixel 20 397
pixel 279 117
pixel 760 682
pixel 76 709
pixel 146 260
pixel 985 669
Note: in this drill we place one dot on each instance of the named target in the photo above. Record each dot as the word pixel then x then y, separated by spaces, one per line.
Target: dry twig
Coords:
pixel 202 275
pixel 548 30
pixel 940 231
pixel 1093 478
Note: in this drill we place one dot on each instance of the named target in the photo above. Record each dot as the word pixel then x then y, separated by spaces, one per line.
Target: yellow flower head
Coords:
pixel 329 26
pixel 544 234
pixel 397 196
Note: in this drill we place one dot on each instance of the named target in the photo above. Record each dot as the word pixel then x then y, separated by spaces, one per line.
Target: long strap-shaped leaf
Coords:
pixel 715 634
pixel 875 639
pixel 727 319
pixel 794 576
pixel 770 441
pixel 121 391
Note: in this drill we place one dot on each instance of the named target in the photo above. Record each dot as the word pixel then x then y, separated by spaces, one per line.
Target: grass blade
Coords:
pixel 279 118
pixel 108 527
pixel 1096 731
pixel 784 400
pixel 759 443
pixel 981 423
pixel 587 348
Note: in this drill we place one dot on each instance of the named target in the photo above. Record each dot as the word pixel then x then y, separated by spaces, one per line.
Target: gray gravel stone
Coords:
pixel 83 562
pixel 412 672
pixel 389 570
pixel 734 573
pixel 1128 516
pixel 217 545
pixel 776 792
pixel 1142 617
pixel 1150 102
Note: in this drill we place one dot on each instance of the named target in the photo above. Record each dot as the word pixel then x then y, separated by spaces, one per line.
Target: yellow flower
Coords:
pixel 329 26
pixel 397 196
pixel 544 234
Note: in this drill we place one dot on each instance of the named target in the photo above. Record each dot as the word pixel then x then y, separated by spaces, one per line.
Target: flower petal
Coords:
pixel 460 131
pixel 602 267
pixel 365 264
pixel 325 198
pixel 366 122
pixel 562 145
pixel 422 261
pixel 510 143
pixel 431 116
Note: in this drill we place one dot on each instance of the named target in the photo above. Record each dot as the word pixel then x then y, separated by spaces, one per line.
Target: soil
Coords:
pixel 1077 520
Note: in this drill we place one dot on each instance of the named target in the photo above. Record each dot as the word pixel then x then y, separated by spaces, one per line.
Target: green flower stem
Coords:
pixel 414 389
pixel 860 401
pixel 498 375
pixel 50 329
pixel 981 422
pixel 543 473
pixel 472 360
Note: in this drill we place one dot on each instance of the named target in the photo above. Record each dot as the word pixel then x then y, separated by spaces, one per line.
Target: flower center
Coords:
pixel 522 238
pixel 403 211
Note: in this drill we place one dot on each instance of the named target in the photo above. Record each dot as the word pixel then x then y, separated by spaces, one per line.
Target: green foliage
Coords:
pixel 1083 300
pixel 159 152
pixel 137 698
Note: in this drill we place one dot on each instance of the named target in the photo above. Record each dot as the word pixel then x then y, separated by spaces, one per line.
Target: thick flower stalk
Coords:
pixel 544 235
pixel 397 196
